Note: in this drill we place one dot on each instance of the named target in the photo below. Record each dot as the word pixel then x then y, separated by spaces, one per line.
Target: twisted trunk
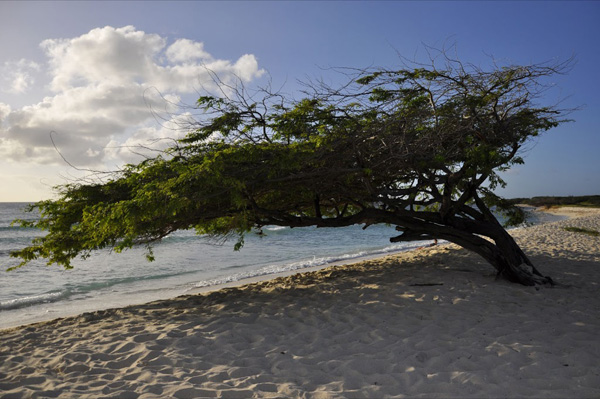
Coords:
pixel 505 255
pixel 480 233
pixel 500 249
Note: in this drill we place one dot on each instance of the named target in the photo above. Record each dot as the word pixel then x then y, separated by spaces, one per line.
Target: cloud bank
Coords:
pixel 106 87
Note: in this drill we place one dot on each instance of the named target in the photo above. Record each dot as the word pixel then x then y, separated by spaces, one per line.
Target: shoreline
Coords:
pixel 63 309
pixel 432 322
pixel 69 310
pixel 568 212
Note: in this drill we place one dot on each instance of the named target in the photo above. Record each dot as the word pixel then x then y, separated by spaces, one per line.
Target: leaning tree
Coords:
pixel 418 148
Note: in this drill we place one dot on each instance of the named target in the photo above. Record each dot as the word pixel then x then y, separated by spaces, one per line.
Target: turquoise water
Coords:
pixel 184 262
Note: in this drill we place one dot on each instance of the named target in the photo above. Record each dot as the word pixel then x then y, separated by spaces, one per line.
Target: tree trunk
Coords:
pixel 512 264
pixel 505 255
pixel 501 250
pixel 498 247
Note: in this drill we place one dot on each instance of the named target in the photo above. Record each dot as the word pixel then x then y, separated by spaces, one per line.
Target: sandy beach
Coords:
pixel 428 323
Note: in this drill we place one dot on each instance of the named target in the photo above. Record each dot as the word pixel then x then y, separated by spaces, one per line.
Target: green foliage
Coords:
pixel 417 148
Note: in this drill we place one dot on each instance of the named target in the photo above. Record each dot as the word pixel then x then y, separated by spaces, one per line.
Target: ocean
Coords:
pixel 185 262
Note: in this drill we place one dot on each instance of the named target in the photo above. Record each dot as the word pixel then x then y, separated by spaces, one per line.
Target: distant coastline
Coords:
pixel 592 201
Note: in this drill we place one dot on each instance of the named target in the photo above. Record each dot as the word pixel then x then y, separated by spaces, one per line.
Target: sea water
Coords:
pixel 184 262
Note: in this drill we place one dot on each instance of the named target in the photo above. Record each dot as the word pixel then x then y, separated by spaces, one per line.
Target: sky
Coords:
pixel 83 84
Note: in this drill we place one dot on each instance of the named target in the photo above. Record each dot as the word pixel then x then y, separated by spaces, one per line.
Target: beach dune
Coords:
pixel 428 323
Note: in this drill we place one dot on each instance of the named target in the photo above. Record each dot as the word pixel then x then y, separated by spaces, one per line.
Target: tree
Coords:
pixel 418 148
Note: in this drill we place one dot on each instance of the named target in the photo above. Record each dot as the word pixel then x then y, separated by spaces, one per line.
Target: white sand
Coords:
pixel 431 323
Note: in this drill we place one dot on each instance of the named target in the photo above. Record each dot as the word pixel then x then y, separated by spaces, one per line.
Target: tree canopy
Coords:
pixel 418 147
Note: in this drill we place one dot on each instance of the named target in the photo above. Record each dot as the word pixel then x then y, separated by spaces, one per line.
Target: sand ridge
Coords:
pixel 428 323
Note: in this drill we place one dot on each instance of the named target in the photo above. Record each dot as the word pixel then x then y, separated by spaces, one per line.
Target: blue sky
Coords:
pixel 84 69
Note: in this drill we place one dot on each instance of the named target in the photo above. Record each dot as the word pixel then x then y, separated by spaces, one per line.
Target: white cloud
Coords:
pixel 125 55
pixel 187 50
pixel 17 76
pixel 108 55
pixel 245 67
pixel 107 86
